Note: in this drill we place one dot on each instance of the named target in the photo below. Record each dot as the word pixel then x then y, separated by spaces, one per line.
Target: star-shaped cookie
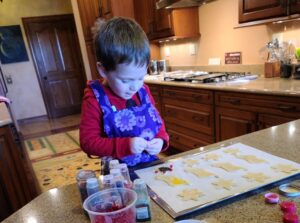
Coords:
pixel 225 184
pixel 232 151
pixel 251 159
pixel 211 156
pixel 190 162
pixel 171 180
pixel 285 168
pixel 258 177
pixel 201 173
pixel 228 167
pixel 190 194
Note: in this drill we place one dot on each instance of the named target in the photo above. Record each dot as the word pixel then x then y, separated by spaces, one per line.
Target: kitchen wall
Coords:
pixel 25 91
pixel 217 21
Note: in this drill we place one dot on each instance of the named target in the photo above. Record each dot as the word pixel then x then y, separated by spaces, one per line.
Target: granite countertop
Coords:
pixel 271 86
pixel 63 204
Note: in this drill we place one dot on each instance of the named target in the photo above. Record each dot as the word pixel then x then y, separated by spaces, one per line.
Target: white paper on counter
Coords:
pixel 211 192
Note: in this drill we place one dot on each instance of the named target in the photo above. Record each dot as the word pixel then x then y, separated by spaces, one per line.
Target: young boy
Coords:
pixel 119 117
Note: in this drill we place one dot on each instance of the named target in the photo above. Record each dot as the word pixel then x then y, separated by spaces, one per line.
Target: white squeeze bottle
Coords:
pixel 92 186
pixel 125 173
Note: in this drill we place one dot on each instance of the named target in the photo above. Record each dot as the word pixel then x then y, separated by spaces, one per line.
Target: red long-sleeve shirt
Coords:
pixel 92 137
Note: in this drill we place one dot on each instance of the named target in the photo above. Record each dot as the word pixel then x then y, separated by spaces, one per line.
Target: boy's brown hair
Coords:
pixel 120 40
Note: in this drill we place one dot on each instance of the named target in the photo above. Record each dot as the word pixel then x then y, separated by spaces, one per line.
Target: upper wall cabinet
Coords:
pixel 166 23
pixel 90 10
pixel 253 10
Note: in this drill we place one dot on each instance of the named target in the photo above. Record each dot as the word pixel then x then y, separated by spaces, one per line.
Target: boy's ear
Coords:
pixel 101 70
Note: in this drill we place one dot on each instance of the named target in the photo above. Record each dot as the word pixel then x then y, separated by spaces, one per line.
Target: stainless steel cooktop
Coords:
pixel 207 77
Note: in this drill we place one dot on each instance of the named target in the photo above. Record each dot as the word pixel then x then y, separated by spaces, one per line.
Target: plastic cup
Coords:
pixel 112 206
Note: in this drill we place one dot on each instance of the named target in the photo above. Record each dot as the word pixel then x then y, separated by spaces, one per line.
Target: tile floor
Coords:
pixel 36 127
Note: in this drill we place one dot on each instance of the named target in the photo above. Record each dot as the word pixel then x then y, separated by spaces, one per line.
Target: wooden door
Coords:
pixel 55 50
pixel 250 10
pixel 232 123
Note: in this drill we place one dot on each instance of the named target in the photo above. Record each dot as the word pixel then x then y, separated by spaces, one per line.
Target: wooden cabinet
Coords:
pixel 17 187
pixel 189 117
pixel 241 113
pixel 90 10
pixel 166 23
pixel 156 94
pixel 252 10
pixel 233 122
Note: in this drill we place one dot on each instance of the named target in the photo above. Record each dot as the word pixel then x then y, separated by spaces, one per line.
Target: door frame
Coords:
pixel 26 21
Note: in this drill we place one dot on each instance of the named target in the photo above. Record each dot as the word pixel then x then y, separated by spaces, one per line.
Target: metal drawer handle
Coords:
pixel 170 112
pixel 197 97
pixel 287 107
pixel 174 137
pixel 171 94
pixel 234 101
pixel 197 118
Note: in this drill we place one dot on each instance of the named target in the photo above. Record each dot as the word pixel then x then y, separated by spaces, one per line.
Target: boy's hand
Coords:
pixel 138 145
pixel 155 146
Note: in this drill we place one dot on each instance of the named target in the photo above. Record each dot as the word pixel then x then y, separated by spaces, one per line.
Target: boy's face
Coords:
pixel 126 79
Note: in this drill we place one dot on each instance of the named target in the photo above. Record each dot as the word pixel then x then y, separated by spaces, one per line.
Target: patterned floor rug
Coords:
pixel 53 145
pixel 57 158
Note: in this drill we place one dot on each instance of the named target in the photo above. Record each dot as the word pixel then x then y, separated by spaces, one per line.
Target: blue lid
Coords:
pixel 289 190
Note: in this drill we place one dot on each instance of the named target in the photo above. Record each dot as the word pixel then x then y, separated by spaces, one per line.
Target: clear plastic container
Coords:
pixel 105 206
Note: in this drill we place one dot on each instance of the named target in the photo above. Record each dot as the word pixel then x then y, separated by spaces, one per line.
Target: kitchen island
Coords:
pixel 63 204
pixel 198 114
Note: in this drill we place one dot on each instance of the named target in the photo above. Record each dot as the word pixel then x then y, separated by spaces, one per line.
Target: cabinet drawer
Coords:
pixel 279 105
pixel 188 95
pixel 185 139
pixel 197 119
pixel 184 142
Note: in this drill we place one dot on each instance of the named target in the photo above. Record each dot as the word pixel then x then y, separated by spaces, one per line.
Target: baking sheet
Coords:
pixel 211 193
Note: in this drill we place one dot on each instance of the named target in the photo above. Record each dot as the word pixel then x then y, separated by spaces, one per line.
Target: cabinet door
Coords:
pixel 295 7
pixel 89 11
pixel 143 13
pixel 250 10
pixel 232 123
pixel 163 26
pixel 14 188
pixel 156 94
pixel 105 9
pixel 267 121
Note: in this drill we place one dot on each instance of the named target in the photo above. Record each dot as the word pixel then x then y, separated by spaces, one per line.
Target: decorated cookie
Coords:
pixel 190 162
pixel 211 156
pixel 285 168
pixel 190 194
pixel 228 167
pixel 201 173
pixel 258 177
pixel 225 184
pixel 171 180
pixel 251 159
pixel 164 169
pixel 232 151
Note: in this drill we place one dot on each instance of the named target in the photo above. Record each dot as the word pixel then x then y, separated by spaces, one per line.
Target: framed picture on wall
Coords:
pixel 12 47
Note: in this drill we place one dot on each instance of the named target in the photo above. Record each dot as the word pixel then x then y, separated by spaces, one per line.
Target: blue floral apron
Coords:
pixel 137 121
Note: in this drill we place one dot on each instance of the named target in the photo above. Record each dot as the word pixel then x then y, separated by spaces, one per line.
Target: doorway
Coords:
pixel 57 59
